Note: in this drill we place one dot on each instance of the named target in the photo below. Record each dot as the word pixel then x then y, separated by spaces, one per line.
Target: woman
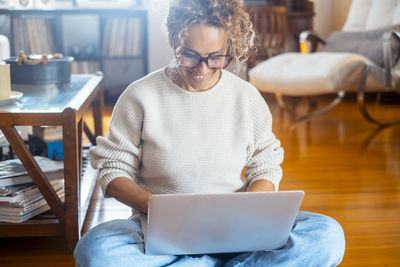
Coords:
pixel 192 128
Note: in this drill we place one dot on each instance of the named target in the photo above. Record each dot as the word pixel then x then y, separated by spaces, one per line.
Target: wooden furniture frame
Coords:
pixel 68 113
pixel 299 16
pixel 270 25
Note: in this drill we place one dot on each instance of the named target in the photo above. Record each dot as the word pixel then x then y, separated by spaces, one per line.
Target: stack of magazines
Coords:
pixel 20 199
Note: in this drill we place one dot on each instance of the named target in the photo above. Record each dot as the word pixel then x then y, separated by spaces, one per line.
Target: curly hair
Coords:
pixel 227 14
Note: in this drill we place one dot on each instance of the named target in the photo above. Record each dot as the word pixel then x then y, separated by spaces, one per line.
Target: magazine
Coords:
pixel 27 194
pixel 2 138
pixel 8 190
pixel 26 208
pixel 17 218
pixel 13 172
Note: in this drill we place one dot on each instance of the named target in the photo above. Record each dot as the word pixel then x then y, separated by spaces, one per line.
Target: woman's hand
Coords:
pixel 261 186
pixel 128 192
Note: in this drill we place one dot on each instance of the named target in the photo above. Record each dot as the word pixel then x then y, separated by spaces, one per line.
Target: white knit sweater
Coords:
pixel 169 140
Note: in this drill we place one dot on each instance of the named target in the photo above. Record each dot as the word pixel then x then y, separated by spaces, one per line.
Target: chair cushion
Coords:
pixel 358 15
pixel 372 14
pixel 4 48
pixel 366 43
pixel 381 14
pixel 299 74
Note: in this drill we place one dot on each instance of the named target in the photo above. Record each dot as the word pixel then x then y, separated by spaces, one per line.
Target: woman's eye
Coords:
pixel 215 58
pixel 189 55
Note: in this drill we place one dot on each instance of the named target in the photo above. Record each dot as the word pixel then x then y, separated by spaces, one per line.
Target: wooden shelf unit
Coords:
pixel 113 41
pixel 67 108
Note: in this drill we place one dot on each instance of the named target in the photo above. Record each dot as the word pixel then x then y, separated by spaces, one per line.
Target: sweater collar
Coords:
pixel 212 90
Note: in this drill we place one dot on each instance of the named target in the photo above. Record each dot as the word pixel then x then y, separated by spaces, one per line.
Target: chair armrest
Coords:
pixel 4 48
pixel 313 38
pixel 389 63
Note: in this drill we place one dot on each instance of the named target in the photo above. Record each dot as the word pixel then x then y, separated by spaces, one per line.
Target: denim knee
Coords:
pixel 95 244
pixel 332 239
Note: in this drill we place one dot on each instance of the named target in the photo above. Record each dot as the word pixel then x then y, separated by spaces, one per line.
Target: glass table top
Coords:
pixel 45 98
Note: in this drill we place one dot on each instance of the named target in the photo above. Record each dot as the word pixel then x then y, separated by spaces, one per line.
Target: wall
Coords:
pixel 160 53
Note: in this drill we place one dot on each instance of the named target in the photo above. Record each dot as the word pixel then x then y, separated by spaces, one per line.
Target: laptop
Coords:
pixel 184 224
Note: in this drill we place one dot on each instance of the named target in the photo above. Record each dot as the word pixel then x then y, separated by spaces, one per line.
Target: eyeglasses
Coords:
pixel 213 62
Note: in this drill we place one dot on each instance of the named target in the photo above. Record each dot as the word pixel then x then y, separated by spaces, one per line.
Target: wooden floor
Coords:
pixel 349 169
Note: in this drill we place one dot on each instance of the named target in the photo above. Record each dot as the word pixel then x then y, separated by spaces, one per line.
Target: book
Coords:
pixel 85 67
pixel 13 172
pixel 137 37
pixel 113 37
pixel 120 47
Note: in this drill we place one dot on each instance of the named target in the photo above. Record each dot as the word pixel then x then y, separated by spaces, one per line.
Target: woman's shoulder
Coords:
pixel 144 88
pixel 240 85
pixel 150 80
pixel 248 94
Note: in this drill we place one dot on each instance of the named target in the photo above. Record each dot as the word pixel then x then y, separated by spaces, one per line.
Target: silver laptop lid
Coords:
pixel 216 223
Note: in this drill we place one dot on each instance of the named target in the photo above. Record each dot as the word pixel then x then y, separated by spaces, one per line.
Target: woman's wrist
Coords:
pixel 261 186
pixel 131 194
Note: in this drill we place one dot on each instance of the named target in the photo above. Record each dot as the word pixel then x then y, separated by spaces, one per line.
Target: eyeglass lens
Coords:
pixel 214 62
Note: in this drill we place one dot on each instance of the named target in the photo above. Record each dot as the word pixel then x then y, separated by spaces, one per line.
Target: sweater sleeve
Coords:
pixel 264 154
pixel 119 154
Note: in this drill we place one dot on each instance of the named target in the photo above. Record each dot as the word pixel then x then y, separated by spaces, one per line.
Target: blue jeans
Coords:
pixel 315 240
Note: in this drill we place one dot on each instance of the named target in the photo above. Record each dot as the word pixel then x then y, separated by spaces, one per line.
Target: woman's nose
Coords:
pixel 204 68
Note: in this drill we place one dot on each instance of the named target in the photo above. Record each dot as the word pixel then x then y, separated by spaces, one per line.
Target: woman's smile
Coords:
pixel 200 77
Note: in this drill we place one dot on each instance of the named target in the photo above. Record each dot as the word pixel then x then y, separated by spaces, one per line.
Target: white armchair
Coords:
pixel 4 47
pixel 363 57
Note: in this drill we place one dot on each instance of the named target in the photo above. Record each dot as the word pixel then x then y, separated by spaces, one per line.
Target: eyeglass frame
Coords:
pixel 205 60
